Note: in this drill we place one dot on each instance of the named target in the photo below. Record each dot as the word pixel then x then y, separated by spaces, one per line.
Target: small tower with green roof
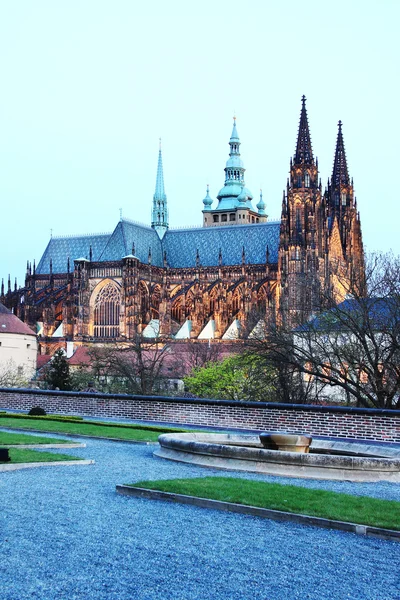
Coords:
pixel 234 199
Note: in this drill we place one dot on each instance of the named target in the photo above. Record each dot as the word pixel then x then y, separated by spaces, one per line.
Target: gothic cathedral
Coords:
pixel 205 282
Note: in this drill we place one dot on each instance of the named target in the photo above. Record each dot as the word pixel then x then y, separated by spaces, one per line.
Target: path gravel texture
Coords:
pixel 65 534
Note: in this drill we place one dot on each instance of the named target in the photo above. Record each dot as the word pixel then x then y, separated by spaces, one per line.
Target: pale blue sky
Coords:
pixel 88 87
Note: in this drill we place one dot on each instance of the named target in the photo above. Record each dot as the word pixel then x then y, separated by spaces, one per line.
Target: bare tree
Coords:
pixel 198 353
pixel 135 367
pixel 352 347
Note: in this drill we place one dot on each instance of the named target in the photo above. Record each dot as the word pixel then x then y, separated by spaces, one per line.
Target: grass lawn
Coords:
pixel 139 433
pixel 14 439
pixel 30 456
pixel 289 498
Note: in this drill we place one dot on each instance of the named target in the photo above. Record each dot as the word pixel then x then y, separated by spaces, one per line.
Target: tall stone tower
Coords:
pixel 301 243
pixel 345 247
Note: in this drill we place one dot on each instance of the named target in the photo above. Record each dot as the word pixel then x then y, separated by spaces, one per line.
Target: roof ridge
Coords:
pixel 73 235
pixel 236 225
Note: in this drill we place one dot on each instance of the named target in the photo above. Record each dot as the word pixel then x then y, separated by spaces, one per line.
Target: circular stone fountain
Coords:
pixel 324 460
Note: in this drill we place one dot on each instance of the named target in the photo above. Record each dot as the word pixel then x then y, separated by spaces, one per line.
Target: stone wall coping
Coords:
pixel 317 408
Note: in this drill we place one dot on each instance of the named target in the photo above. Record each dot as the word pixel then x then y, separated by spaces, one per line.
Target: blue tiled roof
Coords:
pixel 128 233
pixel 181 246
pixel 59 249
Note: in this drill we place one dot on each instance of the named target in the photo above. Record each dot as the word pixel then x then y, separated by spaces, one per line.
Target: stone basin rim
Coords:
pixel 354 461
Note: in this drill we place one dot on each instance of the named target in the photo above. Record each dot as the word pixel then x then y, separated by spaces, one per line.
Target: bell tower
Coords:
pixel 301 233
pixel 345 239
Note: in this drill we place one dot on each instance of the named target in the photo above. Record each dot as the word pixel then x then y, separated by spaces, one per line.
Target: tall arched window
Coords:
pixel 307 180
pixel 106 312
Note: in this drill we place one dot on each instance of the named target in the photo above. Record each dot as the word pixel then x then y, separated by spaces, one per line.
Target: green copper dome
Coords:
pixel 234 186
pixel 207 200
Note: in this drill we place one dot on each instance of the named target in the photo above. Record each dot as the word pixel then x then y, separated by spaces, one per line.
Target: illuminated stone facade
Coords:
pixel 202 282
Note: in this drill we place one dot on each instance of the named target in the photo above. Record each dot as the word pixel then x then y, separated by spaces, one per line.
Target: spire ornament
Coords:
pixel 304 153
pixel 159 220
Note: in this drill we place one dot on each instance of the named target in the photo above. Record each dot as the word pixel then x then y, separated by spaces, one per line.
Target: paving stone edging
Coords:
pixel 44 446
pixel 56 463
pixel 265 513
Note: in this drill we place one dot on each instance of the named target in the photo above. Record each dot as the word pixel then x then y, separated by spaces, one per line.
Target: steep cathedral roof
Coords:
pixel 180 246
pixel 59 249
pixel 127 235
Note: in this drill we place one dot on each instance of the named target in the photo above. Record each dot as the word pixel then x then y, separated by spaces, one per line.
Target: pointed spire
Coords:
pixel 2 287
pixel 149 256
pixel 234 177
pixel 15 285
pixel 303 154
pixel 34 266
pixel 234 135
pixel 243 256
pixel 340 174
pixel 9 284
pixel 160 210
pixel 220 256
pixel 90 253
pixel 68 265
pixel 197 258
pixel 159 193
pixel 207 200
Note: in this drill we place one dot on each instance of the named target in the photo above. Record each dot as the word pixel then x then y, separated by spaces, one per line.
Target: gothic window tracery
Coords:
pixel 307 180
pixel 106 312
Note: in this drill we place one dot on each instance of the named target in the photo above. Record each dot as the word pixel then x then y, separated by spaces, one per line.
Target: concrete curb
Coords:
pixel 57 463
pixel 265 513
pixel 44 446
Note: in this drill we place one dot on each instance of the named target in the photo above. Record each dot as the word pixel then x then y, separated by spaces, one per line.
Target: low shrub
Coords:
pixel 37 411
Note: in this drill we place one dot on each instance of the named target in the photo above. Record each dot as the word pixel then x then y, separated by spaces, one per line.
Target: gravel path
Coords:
pixel 65 534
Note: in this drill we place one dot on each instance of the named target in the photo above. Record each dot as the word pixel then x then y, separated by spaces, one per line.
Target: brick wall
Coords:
pixel 339 422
